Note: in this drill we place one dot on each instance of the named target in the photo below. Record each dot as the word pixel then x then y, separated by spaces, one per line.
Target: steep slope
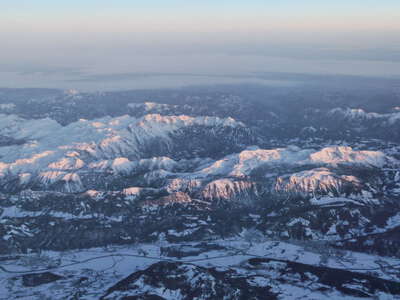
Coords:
pixel 55 154
pixel 316 182
pixel 165 280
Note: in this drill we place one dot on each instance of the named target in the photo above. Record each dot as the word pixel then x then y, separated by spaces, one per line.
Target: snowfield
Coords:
pixel 102 268
pixel 62 157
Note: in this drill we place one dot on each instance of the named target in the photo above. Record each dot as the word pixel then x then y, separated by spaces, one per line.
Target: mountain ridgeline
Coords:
pixel 82 170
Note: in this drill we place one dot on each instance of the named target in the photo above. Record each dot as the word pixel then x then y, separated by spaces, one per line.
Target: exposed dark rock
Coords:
pixel 35 279
pixel 346 281
pixel 186 281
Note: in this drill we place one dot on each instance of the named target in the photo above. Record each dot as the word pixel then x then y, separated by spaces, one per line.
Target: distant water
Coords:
pixel 126 81
pixel 153 72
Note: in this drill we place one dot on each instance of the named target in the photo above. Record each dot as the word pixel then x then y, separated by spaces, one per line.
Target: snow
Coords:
pixel 360 114
pixel 50 177
pixel 15 212
pixel 151 106
pixel 183 233
pixel 51 148
pixel 111 264
pixel 248 161
pixel 94 194
pixel 67 163
pixel 393 221
pixel 245 162
pixel 183 184
pixel 332 200
pixel 18 128
pixel 320 179
pixel 6 107
pixel 59 157
pixel 346 155
pixel 122 165
pixel 132 193
pixel 72 183
pixel 224 189
pixel 296 221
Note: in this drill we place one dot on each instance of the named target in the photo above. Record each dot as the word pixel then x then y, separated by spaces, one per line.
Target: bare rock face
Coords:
pixel 226 189
pixel 317 181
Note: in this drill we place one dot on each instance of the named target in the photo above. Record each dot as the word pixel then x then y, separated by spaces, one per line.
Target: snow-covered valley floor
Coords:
pixel 88 273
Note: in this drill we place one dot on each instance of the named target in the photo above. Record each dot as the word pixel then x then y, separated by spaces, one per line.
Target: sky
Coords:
pixel 93 37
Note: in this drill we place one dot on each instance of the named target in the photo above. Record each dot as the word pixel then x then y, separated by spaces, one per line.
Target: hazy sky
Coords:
pixel 84 37
pixel 197 15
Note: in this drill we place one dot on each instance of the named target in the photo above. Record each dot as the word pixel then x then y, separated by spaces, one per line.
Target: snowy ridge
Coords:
pixel 101 137
pixel 248 161
pixel 123 166
pixel 361 115
pixel 183 184
pixel 7 107
pixel 317 181
pixel 18 128
pixel 243 163
pixel 225 189
pixel 107 143
pixel 86 154
pixel 151 107
pixel 346 155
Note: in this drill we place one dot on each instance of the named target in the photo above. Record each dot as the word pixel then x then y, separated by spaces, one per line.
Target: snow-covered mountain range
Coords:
pixel 191 168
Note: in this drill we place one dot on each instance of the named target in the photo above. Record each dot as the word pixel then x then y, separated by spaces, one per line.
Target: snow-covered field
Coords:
pixel 88 273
